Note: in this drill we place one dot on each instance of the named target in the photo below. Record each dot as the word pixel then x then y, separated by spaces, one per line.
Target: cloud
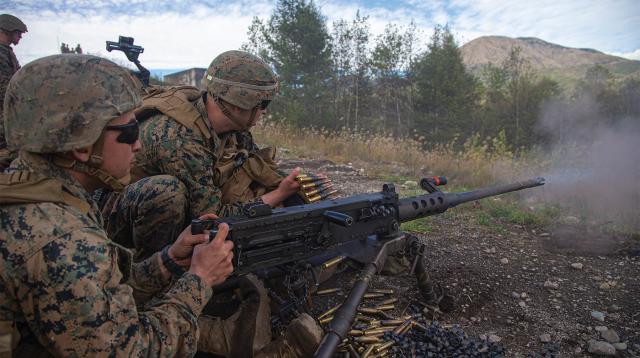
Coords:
pixel 633 55
pixel 179 38
pixel 181 33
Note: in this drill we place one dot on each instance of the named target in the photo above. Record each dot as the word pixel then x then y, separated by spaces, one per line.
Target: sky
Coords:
pixel 181 34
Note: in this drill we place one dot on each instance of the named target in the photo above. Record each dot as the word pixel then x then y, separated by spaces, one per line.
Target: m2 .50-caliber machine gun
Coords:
pixel 365 228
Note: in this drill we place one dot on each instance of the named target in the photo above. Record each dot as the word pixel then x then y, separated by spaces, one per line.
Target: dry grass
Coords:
pixel 477 163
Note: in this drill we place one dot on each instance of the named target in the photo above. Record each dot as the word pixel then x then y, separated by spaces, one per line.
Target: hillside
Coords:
pixel 563 63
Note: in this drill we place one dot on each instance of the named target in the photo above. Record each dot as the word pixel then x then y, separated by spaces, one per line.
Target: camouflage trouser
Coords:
pixel 147 215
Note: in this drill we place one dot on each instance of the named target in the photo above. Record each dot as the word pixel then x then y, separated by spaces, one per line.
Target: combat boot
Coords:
pixel 301 339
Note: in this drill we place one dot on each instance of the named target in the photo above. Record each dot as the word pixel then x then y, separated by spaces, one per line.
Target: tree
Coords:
pixel 297 46
pixel 350 59
pixel 446 94
pixel 390 60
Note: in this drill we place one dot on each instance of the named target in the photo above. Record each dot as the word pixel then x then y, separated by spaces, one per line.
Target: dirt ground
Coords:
pixel 530 289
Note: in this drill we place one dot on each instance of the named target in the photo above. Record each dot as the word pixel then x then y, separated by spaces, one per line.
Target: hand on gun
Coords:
pixel 211 261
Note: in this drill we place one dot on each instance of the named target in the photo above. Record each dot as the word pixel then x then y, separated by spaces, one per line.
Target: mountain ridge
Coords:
pixel 547 58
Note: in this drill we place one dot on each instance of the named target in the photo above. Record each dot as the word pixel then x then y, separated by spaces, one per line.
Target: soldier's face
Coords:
pixel 245 116
pixel 15 37
pixel 118 156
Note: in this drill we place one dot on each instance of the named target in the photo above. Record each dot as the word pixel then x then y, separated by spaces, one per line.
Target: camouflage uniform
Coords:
pixel 71 291
pixel 65 288
pixel 189 154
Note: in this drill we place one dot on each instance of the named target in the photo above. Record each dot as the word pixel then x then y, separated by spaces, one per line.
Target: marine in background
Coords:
pixel 11 31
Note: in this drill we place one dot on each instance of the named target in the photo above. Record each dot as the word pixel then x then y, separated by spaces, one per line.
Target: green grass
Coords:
pixel 420 225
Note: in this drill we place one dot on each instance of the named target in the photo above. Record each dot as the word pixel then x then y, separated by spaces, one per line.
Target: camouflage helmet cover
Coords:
pixel 241 79
pixel 63 102
pixel 12 23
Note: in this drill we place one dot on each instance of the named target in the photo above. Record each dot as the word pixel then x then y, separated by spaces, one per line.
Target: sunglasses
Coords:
pixel 264 104
pixel 128 132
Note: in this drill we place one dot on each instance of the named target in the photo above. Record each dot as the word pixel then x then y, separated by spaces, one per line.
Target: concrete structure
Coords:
pixel 191 77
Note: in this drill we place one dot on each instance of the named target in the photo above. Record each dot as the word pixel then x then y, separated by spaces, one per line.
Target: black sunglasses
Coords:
pixel 128 132
pixel 264 104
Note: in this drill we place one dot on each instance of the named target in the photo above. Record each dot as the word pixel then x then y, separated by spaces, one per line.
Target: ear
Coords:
pixel 82 154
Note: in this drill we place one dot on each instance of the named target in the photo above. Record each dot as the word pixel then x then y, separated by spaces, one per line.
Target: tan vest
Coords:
pixel 241 175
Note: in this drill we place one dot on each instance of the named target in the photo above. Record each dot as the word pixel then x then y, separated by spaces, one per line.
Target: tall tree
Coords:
pixel 350 60
pixel 390 59
pixel 298 47
pixel 445 93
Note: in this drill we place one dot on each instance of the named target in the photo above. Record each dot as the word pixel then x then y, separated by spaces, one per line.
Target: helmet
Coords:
pixel 12 23
pixel 240 78
pixel 63 102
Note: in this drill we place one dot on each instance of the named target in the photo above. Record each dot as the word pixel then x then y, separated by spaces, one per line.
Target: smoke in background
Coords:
pixel 595 163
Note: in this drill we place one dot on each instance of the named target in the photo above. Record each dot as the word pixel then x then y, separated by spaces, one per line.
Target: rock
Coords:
pixel 544 234
pixel 483 337
pixel 504 260
pixel 524 295
pixel 620 346
pixel 490 251
pixel 410 184
pixel 522 304
pixel 610 336
pixel 578 350
pixel 601 328
pixel 550 285
pixel 495 338
pixel 545 338
pixel 577 265
pixel 606 286
pixel 601 348
pixel 598 315
pixel 515 295
pixel 614 308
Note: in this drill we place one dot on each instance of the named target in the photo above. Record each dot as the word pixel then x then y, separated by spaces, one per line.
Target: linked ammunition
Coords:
pixel 322 196
pixel 334 261
pixel 367 339
pixel 328 291
pixel 314 183
pixel 326 320
pixel 373 295
pixel 319 189
pixel 304 178
pixel 385 307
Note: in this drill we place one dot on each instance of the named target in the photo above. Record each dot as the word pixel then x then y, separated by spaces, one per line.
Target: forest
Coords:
pixel 408 84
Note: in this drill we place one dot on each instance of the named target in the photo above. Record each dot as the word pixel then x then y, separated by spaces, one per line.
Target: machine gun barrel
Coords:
pixel 438 202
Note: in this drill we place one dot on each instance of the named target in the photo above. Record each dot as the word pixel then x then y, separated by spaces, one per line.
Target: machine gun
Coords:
pixel 125 44
pixel 365 228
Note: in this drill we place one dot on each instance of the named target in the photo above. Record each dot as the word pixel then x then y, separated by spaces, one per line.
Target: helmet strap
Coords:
pixel 92 167
pixel 228 114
